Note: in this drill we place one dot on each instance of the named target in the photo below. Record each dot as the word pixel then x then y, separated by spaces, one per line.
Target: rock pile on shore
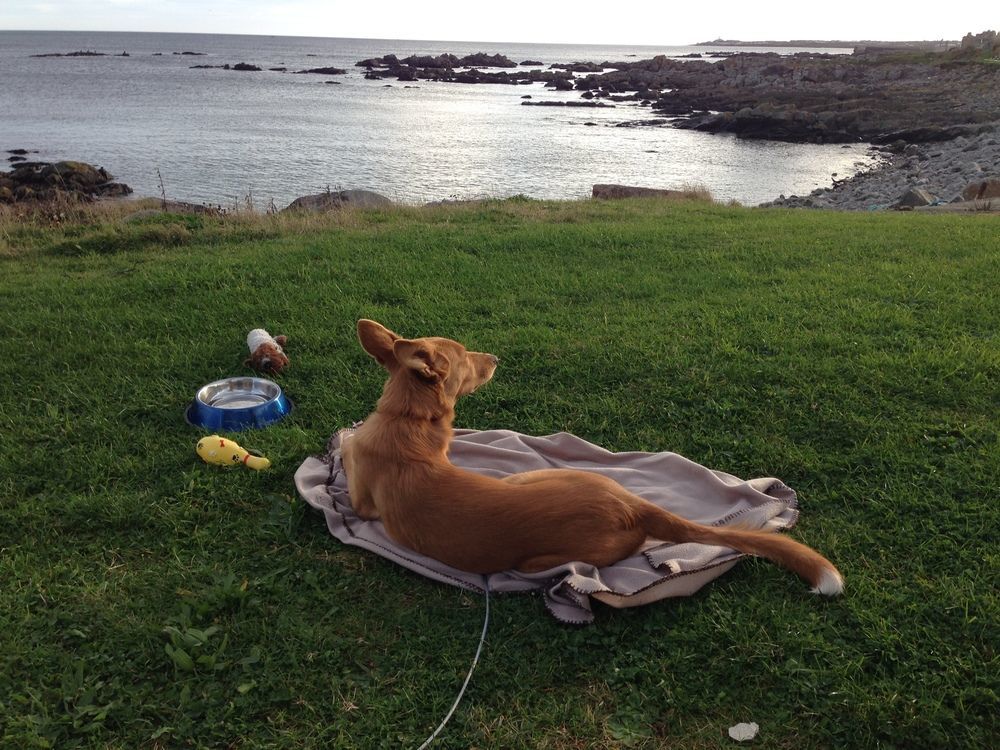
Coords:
pixel 44 181
pixel 941 170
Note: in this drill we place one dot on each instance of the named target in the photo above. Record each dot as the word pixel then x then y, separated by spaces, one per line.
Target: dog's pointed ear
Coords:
pixel 377 340
pixel 421 357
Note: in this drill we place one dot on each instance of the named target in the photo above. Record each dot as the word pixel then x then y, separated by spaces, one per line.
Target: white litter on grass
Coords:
pixel 744 732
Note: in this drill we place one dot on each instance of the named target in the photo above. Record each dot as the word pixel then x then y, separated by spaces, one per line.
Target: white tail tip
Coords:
pixel 831 583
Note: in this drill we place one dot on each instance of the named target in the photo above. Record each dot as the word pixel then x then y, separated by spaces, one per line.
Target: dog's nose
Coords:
pixel 495 359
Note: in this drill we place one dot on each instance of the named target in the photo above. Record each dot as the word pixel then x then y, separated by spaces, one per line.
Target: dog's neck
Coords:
pixel 418 412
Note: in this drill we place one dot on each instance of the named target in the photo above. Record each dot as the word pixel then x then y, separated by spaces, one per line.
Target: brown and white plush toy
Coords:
pixel 266 353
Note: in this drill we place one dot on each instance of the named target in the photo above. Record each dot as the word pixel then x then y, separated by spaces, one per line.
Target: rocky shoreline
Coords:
pixel 937 175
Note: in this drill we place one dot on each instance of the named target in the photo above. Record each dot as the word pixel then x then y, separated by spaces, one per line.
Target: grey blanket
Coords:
pixel 657 571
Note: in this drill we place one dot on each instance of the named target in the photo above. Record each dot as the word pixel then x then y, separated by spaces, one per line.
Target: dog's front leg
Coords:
pixel 361 496
pixel 361 501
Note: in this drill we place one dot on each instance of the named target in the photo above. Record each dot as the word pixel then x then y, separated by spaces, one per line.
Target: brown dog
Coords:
pixel 398 471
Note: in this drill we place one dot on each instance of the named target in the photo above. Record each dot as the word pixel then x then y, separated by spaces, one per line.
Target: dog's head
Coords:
pixel 433 361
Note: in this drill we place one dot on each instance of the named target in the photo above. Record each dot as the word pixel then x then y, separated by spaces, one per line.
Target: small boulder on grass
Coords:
pixel 614 192
pixel 330 201
pixel 915 197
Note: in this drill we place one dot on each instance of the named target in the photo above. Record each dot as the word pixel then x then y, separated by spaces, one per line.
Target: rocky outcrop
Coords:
pixel 238 66
pixel 450 68
pixel 482 60
pixel 986 42
pixel 814 97
pixel 44 181
pixel 330 201
pixel 446 61
pixel 578 67
pixel 982 190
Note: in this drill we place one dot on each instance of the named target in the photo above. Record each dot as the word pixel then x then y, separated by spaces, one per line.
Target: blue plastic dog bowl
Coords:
pixel 236 404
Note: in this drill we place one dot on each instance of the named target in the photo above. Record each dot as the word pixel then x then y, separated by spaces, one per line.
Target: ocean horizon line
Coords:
pixel 830 43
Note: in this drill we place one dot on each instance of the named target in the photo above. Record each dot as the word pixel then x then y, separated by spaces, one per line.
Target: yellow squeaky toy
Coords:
pixel 218 450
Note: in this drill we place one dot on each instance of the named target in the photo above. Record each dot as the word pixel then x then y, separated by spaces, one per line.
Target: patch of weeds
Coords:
pixel 191 221
pixel 211 688
pixel 194 649
pixel 124 239
pixel 226 596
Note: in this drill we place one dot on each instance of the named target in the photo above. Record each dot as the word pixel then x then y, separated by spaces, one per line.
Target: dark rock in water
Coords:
pixel 17 151
pixel 279 70
pixel 532 62
pixel 333 83
pixel 429 61
pixel 329 201
pixel 526 96
pixel 17 158
pixel 566 104
pixel 482 60
pixel 324 71
pixel 389 61
pixel 614 192
pixel 655 122
pixel 43 181
pixel 112 190
pixel 198 54
pixel 204 67
pixel 79 53
pixel 561 84
pixel 578 67
pixel 245 66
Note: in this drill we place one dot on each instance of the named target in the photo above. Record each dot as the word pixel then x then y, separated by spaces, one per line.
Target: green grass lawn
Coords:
pixel 856 357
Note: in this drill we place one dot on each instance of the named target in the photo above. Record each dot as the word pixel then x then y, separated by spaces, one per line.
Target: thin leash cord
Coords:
pixel 472 668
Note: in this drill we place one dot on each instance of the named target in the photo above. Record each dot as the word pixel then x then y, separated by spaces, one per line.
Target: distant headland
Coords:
pixel 935 44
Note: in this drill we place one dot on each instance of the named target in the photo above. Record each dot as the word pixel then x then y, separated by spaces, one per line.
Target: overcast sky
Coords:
pixel 582 21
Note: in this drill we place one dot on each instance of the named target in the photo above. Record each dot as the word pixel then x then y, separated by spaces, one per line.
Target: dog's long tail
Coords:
pixel 809 564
